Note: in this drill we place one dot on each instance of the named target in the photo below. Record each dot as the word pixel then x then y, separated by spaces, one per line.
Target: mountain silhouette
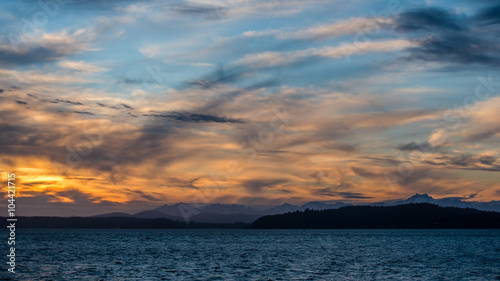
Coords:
pixel 234 213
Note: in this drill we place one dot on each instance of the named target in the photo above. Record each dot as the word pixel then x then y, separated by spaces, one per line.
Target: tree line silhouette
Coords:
pixel 411 216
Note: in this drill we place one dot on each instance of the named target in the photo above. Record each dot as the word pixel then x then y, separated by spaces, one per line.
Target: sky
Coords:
pixel 127 105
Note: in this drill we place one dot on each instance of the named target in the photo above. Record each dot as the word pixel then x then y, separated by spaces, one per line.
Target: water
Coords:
pixel 257 255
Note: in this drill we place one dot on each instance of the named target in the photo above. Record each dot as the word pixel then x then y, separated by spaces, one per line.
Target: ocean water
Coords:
pixel 257 255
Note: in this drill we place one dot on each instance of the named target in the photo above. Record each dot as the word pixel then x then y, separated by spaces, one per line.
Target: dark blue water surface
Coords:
pixel 257 255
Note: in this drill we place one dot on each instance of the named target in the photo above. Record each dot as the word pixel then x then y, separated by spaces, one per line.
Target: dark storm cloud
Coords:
pixel 346 147
pixel 145 195
pixel 76 195
pixel 29 56
pixel 462 160
pixel 118 148
pixel 446 37
pixel 177 182
pixel 21 102
pixel 118 107
pixel 84 112
pixel 427 19
pixel 223 99
pixel 458 49
pixel 467 162
pixel 37 183
pixel 425 180
pixel 353 195
pixel 414 146
pixel 472 195
pixel 384 160
pixel 203 84
pixel 258 185
pixel 67 101
pixel 365 173
pixel 187 8
pixel 487 160
pixel 344 194
pixel 195 117
pixel 129 80
pixel 220 76
pixel 18 134
pixel 109 106
pixel 490 15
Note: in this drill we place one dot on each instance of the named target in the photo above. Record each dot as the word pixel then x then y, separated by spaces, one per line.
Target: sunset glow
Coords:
pixel 132 105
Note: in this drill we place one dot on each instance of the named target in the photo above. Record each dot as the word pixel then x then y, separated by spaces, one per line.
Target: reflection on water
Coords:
pixel 258 254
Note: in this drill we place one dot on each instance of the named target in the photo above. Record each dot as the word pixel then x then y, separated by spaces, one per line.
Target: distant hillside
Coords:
pixel 411 216
pixel 113 215
pixel 445 202
pixel 113 222
pixel 224 218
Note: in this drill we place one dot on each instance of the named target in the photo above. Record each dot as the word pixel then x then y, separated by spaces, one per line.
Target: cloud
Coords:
pixel 331 192
pixel 45 47
pixel 365 172
pixel 265 8
pixel 35 77
pixel 84 112
pixel 218 77
pixel 489 15
pixel 430 19
pixel 487 159
pixel 353 195
pixel 108 5
pixel 273 59
pixel 265 200
pixel 438 137
pixel 466 161
pixel 413 146
pixel 350 26
pixel 472 195
pixel 129 80
pixel 74 202
pixel 117 107
pixel 126 106
pixel 81 66
pixel 283 96
pixel 67 101
pixel 195 117
pixel 445 37
pixel 197 10
pixel 257 185
pixel 457 49
pixel 177 182
pixel 481 123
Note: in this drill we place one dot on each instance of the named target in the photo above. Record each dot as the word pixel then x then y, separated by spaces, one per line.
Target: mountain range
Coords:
pixel 406 216
pixel 234 213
